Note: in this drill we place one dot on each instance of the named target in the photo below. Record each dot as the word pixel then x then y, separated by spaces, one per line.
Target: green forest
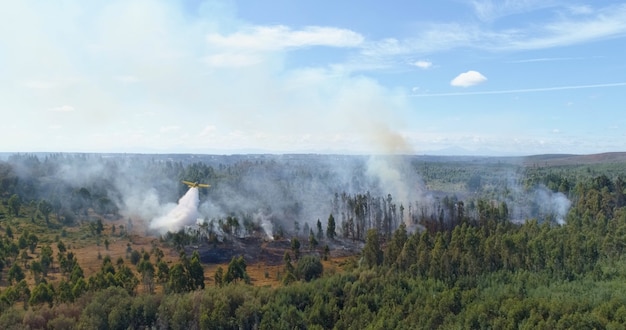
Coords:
pixel 458 263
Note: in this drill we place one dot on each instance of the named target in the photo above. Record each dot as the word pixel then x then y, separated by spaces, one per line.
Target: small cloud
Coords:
pixel 208 131
pixel 63 108
pixel 556 131
pixel 415 89
pixel 467 79
pixel 423 64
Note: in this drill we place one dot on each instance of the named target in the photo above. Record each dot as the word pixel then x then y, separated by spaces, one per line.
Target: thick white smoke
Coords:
pixel 183 214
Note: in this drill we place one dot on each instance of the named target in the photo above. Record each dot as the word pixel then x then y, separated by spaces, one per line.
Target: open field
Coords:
pixel 263 258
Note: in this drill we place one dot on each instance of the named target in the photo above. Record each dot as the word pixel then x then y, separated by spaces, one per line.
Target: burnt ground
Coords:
pixel 269 252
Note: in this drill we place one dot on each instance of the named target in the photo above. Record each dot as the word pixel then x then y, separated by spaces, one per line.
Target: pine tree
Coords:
pixel 320 232
pixel 330 227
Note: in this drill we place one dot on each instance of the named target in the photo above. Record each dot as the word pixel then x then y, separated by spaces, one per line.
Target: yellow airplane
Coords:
pixel 196 184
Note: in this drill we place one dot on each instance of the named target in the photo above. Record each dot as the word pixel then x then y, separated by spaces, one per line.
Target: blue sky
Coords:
pixel 418 77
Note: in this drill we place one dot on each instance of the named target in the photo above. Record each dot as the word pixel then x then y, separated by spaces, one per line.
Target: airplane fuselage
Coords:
pixel 196 184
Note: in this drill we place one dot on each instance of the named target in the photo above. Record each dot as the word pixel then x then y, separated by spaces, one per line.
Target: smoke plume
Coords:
pixel 552 204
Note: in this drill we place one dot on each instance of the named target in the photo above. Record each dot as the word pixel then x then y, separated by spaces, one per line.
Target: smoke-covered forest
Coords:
pixel 361 192
pixel 418 242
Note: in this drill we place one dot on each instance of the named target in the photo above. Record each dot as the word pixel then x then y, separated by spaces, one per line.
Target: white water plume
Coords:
pixel 183 214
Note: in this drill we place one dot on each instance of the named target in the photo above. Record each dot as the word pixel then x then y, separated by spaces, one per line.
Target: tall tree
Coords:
pixel 236 270
pixel 394 248
pixel 312 241
pixel 295 247
pixel 146 269
pixel 320 231
pixel 372 254
pixel 14 204
pixel 45 208
pixel 196 272
pixel 16 273
pixel 219 276
pixel 330 227
pixel 289 276
pixel 178 279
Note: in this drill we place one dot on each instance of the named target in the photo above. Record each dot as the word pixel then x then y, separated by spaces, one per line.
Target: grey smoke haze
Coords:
pixel 552 204
pixel 274 192
pixel 537 202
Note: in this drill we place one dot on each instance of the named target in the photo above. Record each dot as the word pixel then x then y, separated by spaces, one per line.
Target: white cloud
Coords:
pixel 423 64
pixel 554 30
pixel 489 10
pixel 269 38
pixel 467 79
pixel 232 60
pixel 580 10
pixel 208 131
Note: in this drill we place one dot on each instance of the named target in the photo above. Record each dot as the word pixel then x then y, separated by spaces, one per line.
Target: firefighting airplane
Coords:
pixel 196 184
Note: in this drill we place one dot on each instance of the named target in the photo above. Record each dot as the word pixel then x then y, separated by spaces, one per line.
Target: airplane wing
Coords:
pixel 203 185
pixel 188 183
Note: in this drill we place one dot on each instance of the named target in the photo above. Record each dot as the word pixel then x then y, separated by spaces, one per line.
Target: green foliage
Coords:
pixel 147 271
pixel 330 227
pixel 320 231
pixel 295 247
pixel 188 275
pixel 196 272
pixel 14 204
pixel 236 271
pixel 312 241
pixel 45 208
pixel 42 293
pixel 108 309
pixel 135 256
pixel 219 276
pixel 16 274
pixel 309 267
pixel 372 254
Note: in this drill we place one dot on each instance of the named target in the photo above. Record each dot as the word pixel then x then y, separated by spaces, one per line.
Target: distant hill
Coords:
pixel 567 159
